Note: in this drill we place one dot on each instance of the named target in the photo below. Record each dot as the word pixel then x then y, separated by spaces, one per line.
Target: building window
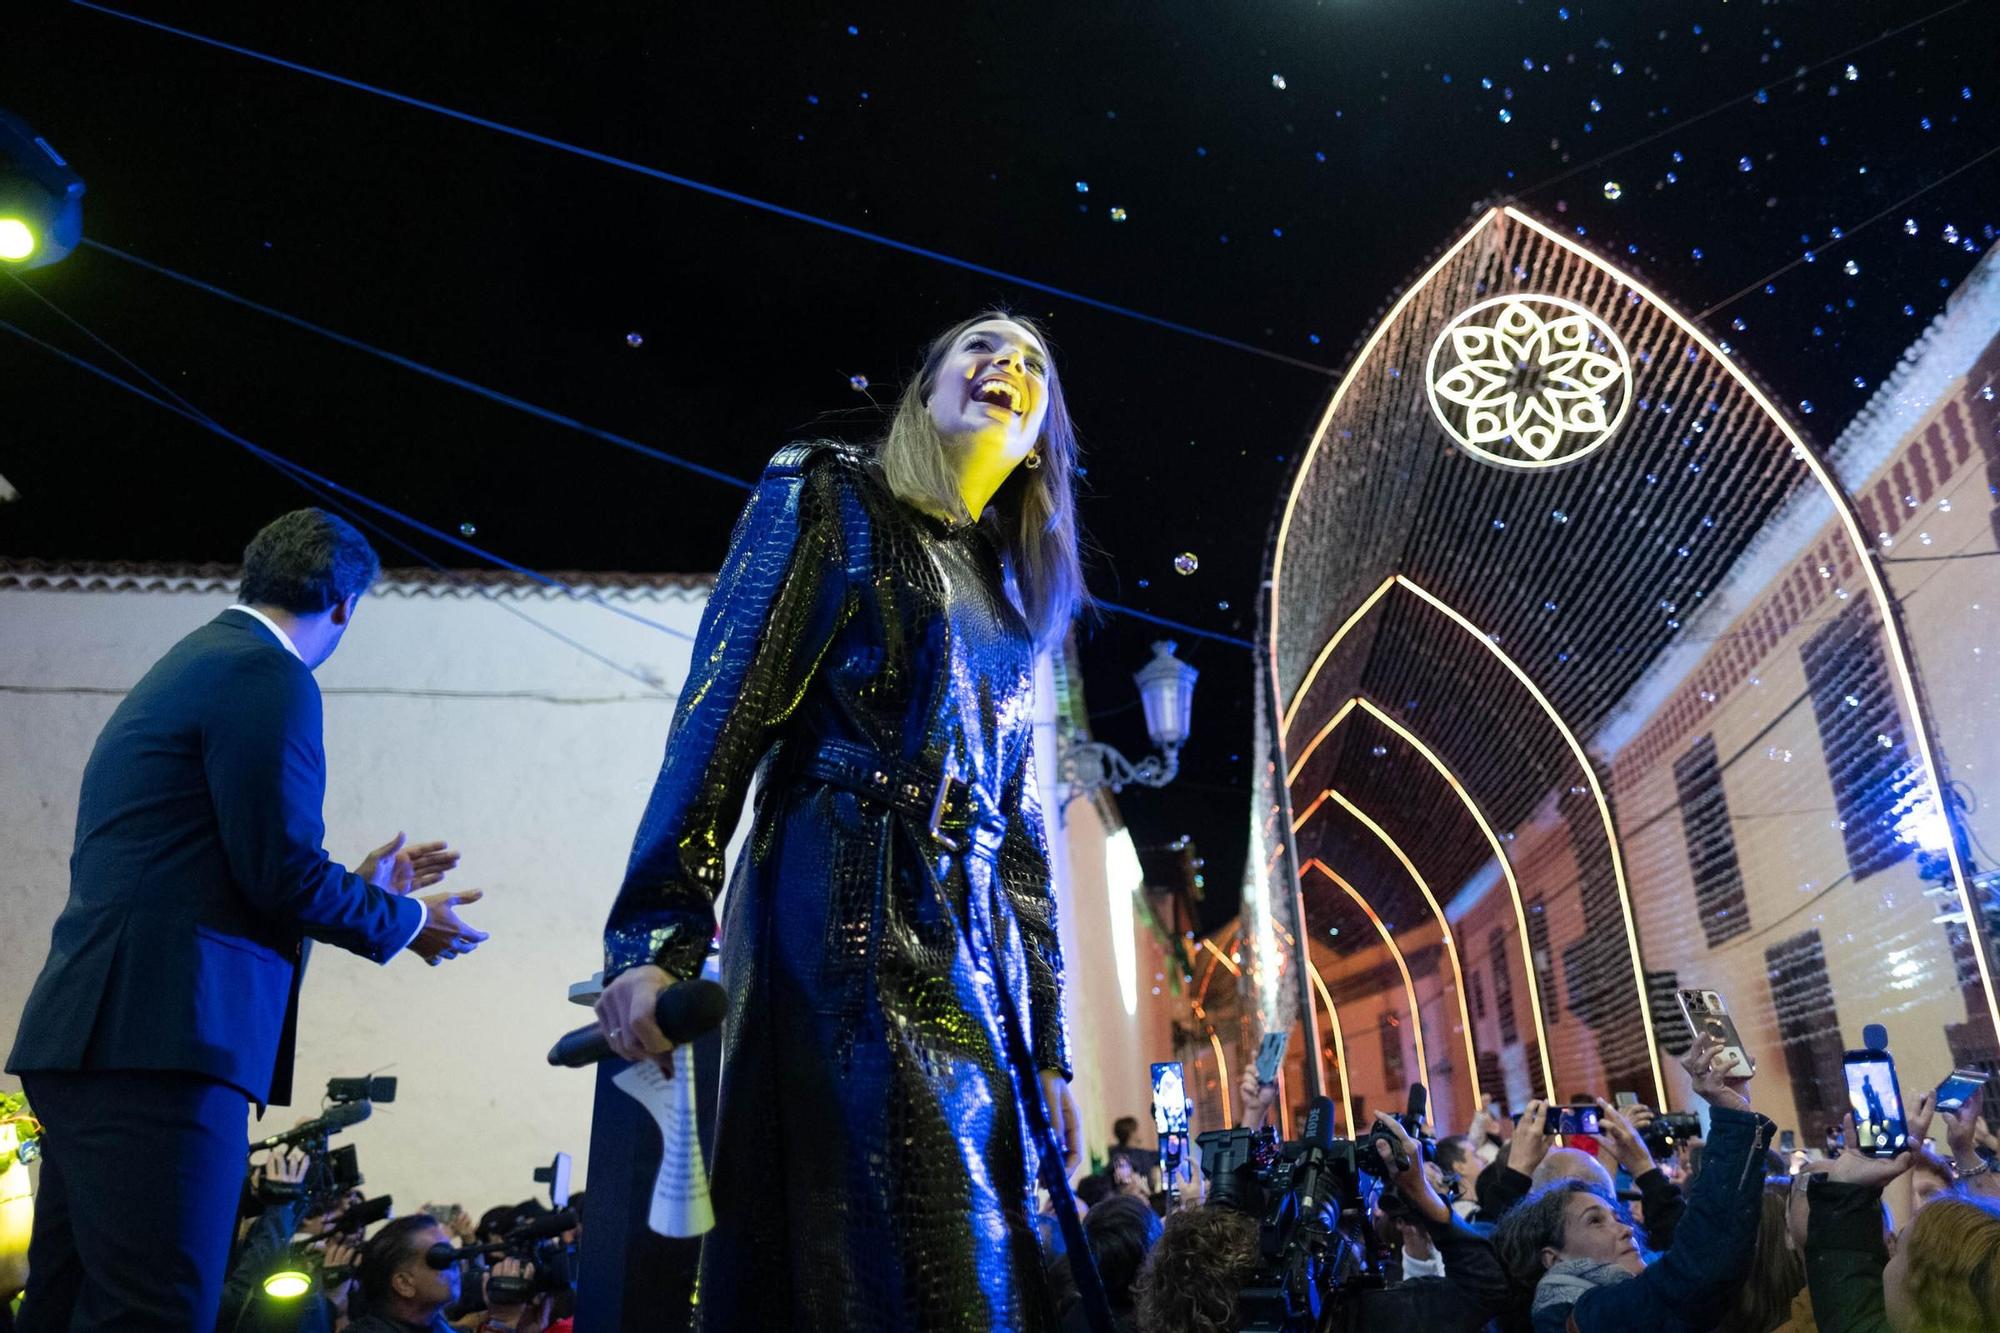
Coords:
pixel 1879 793
pixel 1545 961
pixel 1478 984
pixel 1503 987
pixel 1711 845
pixel 1809 1031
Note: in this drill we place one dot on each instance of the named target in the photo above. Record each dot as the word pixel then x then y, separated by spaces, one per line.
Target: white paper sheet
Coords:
pixel 681 1204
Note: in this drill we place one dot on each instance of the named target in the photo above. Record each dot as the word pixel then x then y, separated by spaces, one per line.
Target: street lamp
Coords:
pixel 1166 692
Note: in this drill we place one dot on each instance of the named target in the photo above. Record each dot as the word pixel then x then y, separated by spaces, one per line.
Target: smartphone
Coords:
pixel 1877 1101
pixel 1170 1102
pixel 1953 1093
pixel 1625 1101
pixel 1570 1120
pixel 1271 1055
pixel 1788 1142
pixel 1705 1012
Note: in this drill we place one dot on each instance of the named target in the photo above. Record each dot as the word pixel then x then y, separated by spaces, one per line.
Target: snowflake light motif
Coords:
pixel 1527 386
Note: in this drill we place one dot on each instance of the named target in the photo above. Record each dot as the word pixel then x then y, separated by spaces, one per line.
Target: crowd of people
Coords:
pixel 364 1273
pixel 1508 1227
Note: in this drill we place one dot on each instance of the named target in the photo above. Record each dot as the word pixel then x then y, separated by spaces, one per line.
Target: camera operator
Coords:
pixel 397 1290
pixel 1205 1256
pixel 1570 1246
pixel 278 1185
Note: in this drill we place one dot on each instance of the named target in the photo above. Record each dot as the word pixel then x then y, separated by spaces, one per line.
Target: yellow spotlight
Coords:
pixel 288 1284
pixel 17 240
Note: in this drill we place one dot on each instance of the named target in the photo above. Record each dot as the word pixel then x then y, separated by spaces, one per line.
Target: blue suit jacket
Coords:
pixel 198 875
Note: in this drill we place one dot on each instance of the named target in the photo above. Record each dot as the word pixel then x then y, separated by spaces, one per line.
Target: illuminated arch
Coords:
pixel 1409 986
pixel 1892 629
pixel 1576 749
pixel 1444 927
pixel 1506 871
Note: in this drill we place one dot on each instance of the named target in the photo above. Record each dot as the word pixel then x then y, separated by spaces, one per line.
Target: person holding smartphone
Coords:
pixel 1569 1246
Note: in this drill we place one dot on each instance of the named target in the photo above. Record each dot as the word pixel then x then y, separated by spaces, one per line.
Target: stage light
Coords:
pixel 41 199
pixel 288 1284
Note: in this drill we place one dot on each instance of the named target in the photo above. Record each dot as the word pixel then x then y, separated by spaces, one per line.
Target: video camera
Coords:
pixel 549 1259
pixel 332 1173
pixel 1668 1130
pixel 1315 1237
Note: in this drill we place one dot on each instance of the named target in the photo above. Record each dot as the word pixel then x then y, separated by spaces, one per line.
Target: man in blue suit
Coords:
pixel 170 995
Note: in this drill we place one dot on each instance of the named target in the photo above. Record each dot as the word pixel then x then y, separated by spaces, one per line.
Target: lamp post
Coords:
pixel 1166 692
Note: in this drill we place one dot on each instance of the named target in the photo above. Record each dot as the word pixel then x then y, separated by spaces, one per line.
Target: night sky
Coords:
pixel 1270 174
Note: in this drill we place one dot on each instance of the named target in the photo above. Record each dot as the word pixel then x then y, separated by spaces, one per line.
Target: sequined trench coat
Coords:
pixel 871 1167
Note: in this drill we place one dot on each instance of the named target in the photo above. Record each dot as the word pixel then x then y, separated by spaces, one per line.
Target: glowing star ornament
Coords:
pixel 1529 381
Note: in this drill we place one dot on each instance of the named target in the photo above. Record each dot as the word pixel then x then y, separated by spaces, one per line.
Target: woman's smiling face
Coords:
pixel 994 377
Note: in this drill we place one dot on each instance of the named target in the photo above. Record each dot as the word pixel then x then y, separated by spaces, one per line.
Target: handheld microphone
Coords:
pixel 337 1118
pixel 684 1011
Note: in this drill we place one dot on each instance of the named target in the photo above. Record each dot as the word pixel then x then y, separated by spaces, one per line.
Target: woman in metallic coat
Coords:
pixel 889 938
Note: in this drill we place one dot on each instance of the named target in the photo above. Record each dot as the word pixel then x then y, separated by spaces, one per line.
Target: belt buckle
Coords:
pixel 943 798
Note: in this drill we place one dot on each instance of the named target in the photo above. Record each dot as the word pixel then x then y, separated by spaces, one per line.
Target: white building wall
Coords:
pixel 449 717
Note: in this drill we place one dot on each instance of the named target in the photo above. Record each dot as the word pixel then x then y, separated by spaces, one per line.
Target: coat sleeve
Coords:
pixel 778 600
pixel 1714 1243
pixel 1845 1256
pixel 1025 875
pixel 1664 1204
pixel 263 756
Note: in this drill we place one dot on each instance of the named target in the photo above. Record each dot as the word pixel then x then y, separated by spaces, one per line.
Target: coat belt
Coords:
pixel 955 814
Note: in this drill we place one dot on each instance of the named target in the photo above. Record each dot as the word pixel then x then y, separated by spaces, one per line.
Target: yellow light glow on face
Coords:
pixel 1339 1046
pixel 17 240
pixel 1444 929
pixel 1409 986
pixel 1122 878
pixel 1892 629
pixel 290 1284
pixel 1506 870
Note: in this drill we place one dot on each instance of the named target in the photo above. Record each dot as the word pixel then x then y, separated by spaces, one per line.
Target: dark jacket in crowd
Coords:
pixel 1690 1287
pixel 262 1246
pixel 1845 1256
pixel 1473 1291
pixel 377 1323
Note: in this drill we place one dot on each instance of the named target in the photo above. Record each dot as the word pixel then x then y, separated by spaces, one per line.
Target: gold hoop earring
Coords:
pixel 1033 460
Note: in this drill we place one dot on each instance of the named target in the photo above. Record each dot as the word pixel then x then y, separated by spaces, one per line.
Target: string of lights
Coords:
pixel 545 413
pixel 715 191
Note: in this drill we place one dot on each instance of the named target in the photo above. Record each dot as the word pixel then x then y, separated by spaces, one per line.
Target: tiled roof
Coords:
pixel 39 576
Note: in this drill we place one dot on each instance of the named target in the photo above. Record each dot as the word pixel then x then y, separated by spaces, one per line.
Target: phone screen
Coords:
pixel 1788 1142
pixel 1706 1013
pixel 1170 1103
pixel 1879 1129
pixel 1953 1092
pixel 1570 1120
pixel 1271 1055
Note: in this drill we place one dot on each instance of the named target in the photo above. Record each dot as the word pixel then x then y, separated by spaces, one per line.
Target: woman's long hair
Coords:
pixel 1035 508
pixel 1954 1278
pixel 1777 1274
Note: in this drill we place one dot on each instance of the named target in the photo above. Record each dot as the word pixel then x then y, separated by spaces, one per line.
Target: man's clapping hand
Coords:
pixel 403 870
pixel 443 936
